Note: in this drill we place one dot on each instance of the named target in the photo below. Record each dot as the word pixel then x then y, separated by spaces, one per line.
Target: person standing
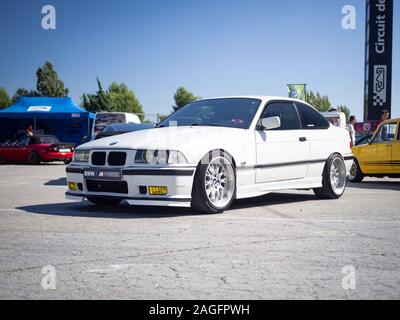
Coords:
pixel 352 130
pixel 29 131
pixel 385 115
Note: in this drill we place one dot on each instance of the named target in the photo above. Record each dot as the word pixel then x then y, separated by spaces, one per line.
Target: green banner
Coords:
pixel 297 91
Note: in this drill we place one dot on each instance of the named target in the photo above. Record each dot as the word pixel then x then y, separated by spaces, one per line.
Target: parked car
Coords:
pixel 338 119
pixel 121 128
pixel 103 119
pixel 36 149
pixel 214 151
pixel 380 157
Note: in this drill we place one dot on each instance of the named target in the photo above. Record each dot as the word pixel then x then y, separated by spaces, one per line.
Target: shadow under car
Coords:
pixel 125 211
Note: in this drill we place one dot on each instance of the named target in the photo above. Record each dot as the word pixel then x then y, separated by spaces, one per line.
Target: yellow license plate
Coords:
pixel 158 191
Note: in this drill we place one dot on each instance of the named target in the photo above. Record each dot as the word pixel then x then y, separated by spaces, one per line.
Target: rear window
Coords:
pixel 311 118
pixel 104 119
pixel 335 120
pixel 48 140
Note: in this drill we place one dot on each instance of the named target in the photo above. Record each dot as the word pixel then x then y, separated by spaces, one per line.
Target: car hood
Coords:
pixel 194 142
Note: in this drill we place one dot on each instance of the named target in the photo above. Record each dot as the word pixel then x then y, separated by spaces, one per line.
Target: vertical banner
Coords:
pixel 297 91
pixel 378 58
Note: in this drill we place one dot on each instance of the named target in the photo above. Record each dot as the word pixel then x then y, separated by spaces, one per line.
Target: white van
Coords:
pixel 103 119
pixel 338 119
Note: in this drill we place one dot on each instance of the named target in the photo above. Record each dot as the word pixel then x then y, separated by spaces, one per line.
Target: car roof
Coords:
pixel 392 120
pixel 264 98
pixel 333 113
pixel 116 113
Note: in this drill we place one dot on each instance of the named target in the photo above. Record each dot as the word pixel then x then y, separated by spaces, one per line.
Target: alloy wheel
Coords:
pixel 219 182
pixel 338 175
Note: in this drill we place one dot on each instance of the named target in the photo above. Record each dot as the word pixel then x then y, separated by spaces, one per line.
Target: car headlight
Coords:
pixel 160 157
pixel 81 156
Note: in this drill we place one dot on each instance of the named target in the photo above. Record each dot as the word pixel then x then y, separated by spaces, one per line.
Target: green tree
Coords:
pixel 183 97
pixel 345 110
pixel 48 84
pixel 5 100
pixel 96 102
pixel 321 103
pixel 22 92
pixel 124 100
pixel 118 98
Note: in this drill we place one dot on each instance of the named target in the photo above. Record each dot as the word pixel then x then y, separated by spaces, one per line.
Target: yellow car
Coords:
pixel 381 156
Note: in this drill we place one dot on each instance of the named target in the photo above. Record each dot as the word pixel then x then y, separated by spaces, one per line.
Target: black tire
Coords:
pixel 200 201
pixel 68 161
pixel 356 175
pixel 2 161
pixel 34 158
pixel 104 201
pixel 328 191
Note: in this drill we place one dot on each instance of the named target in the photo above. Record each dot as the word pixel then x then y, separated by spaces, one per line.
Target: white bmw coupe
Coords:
pixel 214 151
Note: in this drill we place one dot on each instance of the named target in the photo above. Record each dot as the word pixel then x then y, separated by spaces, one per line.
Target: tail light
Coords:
pixel 52 149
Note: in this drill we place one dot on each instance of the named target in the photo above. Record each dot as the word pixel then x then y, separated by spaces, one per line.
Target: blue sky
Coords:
pixel 212 47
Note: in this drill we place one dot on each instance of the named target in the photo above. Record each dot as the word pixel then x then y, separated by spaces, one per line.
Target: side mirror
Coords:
pixel 271 123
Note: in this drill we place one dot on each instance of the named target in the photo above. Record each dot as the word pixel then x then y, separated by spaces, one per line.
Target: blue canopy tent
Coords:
pixel 57 116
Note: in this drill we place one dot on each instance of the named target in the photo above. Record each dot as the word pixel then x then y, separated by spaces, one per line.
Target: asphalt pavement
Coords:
pixel 285 245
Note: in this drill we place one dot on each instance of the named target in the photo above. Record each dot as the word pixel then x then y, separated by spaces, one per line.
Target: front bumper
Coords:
pixel 178 180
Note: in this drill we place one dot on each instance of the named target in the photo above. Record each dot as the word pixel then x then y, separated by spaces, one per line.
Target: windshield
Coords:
pixel 42 140
pixel 49 139
pixel 229 112
pixel 104 119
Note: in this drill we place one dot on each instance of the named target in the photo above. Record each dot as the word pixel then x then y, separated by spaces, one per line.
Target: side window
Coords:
pixel 23 142
pixel 398 134
pixel 311 118
pixel 386 133
pixel 33 140
pixel 287 113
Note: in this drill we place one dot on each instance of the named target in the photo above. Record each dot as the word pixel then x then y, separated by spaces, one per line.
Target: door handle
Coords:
pixel 302 139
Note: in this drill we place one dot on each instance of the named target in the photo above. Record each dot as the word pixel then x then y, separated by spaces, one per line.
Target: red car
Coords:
pixel 36 149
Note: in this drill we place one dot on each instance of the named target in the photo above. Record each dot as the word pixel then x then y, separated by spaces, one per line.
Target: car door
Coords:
pixel 377 157
pixel 318 135
pixel 7 152
pixel 21 150
pixel 282 153
pixel 366 154
pixel 396 152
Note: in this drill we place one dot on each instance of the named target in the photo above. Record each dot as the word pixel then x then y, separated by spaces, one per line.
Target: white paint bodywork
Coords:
pixel 265 160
